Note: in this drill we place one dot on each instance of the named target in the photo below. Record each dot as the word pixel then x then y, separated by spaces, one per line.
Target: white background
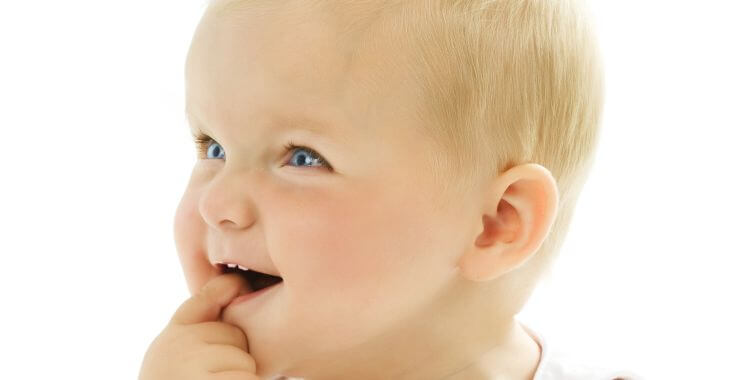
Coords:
pixel 96 153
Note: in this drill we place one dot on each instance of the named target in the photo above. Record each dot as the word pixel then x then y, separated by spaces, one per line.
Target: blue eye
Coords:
pixel 307 157
pixel 215 150
pixel 302 157
pixel 207 146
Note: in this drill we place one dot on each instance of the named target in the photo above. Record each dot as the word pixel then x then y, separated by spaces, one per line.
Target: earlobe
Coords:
pixel 519 212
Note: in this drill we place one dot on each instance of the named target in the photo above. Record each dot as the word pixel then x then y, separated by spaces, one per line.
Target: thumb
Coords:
pixel 206 305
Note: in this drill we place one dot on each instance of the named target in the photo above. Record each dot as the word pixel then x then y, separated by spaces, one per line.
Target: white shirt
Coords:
pixel 556 365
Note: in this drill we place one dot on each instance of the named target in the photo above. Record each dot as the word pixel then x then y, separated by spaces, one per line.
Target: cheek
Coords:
pixel 189 228
pixel 351 247
pixel 355 261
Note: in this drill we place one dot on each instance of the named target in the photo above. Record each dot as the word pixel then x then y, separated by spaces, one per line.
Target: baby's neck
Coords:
pixel 516 358
pixel 497 352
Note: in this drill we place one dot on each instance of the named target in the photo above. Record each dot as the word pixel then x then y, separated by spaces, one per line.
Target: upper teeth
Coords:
pixel 241 267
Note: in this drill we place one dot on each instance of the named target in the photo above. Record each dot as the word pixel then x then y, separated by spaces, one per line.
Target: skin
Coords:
pixel 219 349
pixel 378 283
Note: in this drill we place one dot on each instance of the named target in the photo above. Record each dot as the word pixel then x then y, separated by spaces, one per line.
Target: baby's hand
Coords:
pixel 196 345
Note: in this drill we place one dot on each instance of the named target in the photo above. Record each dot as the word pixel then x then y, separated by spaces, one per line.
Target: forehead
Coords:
pixel 293 63
pixel 249 67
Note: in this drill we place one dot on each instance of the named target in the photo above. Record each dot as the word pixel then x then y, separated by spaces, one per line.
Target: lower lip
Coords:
pixel 253 295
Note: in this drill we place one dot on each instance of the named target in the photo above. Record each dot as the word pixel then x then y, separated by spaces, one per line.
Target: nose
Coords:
pixel 225 203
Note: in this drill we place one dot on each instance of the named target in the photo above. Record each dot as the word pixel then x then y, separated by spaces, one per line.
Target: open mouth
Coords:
pixel 256 280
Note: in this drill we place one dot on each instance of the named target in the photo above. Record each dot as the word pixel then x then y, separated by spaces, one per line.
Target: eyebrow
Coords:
pixel 281 123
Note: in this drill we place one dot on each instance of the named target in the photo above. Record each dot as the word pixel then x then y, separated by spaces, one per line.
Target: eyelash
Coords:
pixel 202 140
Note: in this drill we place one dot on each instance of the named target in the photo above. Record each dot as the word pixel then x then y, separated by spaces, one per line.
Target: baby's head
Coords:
pixel 408 168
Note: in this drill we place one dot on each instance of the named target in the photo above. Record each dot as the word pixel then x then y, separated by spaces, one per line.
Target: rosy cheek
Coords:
pixel 336 247
pixel 189 230
pixel 186 220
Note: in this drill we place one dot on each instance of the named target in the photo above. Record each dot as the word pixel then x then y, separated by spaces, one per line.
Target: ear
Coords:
pixel 521 206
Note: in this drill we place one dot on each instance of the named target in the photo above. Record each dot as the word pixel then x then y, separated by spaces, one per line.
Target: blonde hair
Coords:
pixel 502 82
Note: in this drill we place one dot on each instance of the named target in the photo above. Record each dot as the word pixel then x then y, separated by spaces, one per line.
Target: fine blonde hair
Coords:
pixel 502 82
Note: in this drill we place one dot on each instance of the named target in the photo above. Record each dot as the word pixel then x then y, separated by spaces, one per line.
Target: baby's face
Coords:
pixel 361 247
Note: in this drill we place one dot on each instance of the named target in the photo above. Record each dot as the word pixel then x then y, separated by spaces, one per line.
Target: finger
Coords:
pixel 221 357
pixel 206 305
pixel 219 333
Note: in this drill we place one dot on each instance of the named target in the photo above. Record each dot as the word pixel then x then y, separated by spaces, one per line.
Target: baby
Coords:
pixel 379 188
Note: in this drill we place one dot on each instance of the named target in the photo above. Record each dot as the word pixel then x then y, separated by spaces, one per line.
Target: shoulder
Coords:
pixel 557 365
